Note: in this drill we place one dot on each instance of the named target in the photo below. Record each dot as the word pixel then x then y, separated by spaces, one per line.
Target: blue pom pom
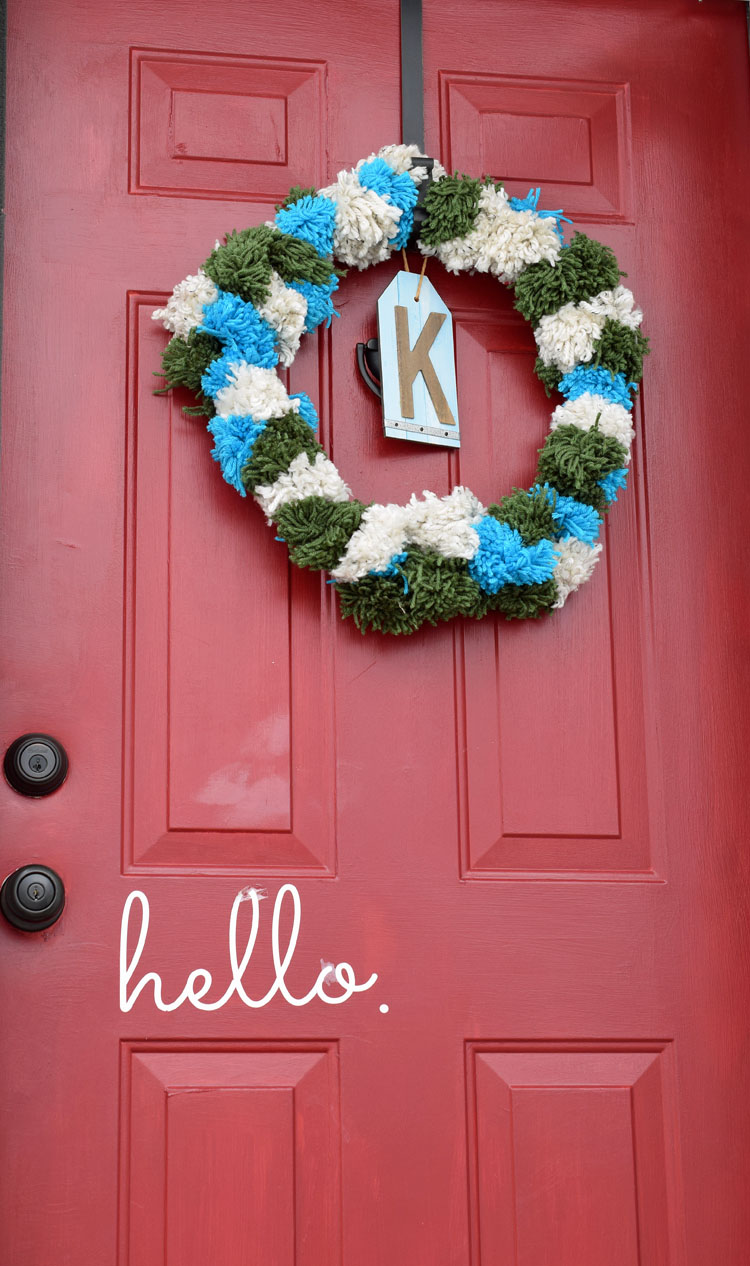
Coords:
pixel 377 175
pixel 573 518
pixel 241 329
pixel 216 375
pixel 319 303
pixel 613 482
pixel 234 438
pixel 306 409
pixel 312 220
pixel 599 382
pixel 398 188
pixel 503 559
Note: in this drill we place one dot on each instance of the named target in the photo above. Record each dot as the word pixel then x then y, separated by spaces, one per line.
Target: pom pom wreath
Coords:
pixel 583 269
pixel 397 567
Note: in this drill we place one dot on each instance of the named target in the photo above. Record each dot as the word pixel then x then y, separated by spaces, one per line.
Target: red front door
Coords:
pixel 533 834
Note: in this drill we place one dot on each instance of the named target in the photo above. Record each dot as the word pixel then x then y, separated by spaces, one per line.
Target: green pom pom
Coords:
pixel 296 194
pixel 582 269
pixel 529 513
pixel 437 589
pixel 242 266
pixel 295 260
pixel 573 461
pixel 549 375
pixel 524 602
pixel 318 531
pixel 621 350
pixel 451 205
pixel 282 440
pixel 184 361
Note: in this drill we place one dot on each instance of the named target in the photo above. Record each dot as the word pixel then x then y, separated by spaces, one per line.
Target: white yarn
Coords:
pixel 576 562
pixel 285 310
pixel 443 524
pixel 566 338
pixel 619 304
pixel 400 159
pixel 301 479
pixel 614 419
pixel 253 392
pixel 502 242
pixel 184 310
pixel 365 223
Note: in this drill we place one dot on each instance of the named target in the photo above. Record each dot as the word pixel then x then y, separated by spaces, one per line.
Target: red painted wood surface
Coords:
pixel 534 834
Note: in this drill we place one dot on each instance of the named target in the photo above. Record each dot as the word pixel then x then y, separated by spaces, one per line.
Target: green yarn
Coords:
pixel 278 444
pixel 573 461
pixel 582 269
pixel 318 531
pixel 451 206
pixel 437 589
pixel 242 266
pixel 529 513
pixel 184 361
pixel 295 260
pixel 524 602
pixel 621 350
pixel 296 194
pixel 549 375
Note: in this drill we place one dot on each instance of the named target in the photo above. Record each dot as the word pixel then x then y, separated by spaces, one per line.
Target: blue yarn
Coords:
pixel 503 559
pixel 216 375
pixel 319 303
pixel 529 203
pixel 377 175
pixel 398 188
pixel 241 329
pixel 600 382
pixel 234 438
pixel 392 569
pixel 573 518
pixel 311 219
pixel 612 482
pixel 306 409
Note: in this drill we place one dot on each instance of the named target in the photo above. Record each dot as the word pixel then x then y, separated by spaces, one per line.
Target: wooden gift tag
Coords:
pixel 417 363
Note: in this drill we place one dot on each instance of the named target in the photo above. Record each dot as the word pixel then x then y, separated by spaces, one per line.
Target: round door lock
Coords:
pixel 36 765
pixel 32 898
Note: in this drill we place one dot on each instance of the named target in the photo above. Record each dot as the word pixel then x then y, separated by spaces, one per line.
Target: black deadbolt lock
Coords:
pixel 32 898
pixel 35 765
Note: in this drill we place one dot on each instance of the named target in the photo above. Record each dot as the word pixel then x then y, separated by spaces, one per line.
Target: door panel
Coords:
pixel 533 834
